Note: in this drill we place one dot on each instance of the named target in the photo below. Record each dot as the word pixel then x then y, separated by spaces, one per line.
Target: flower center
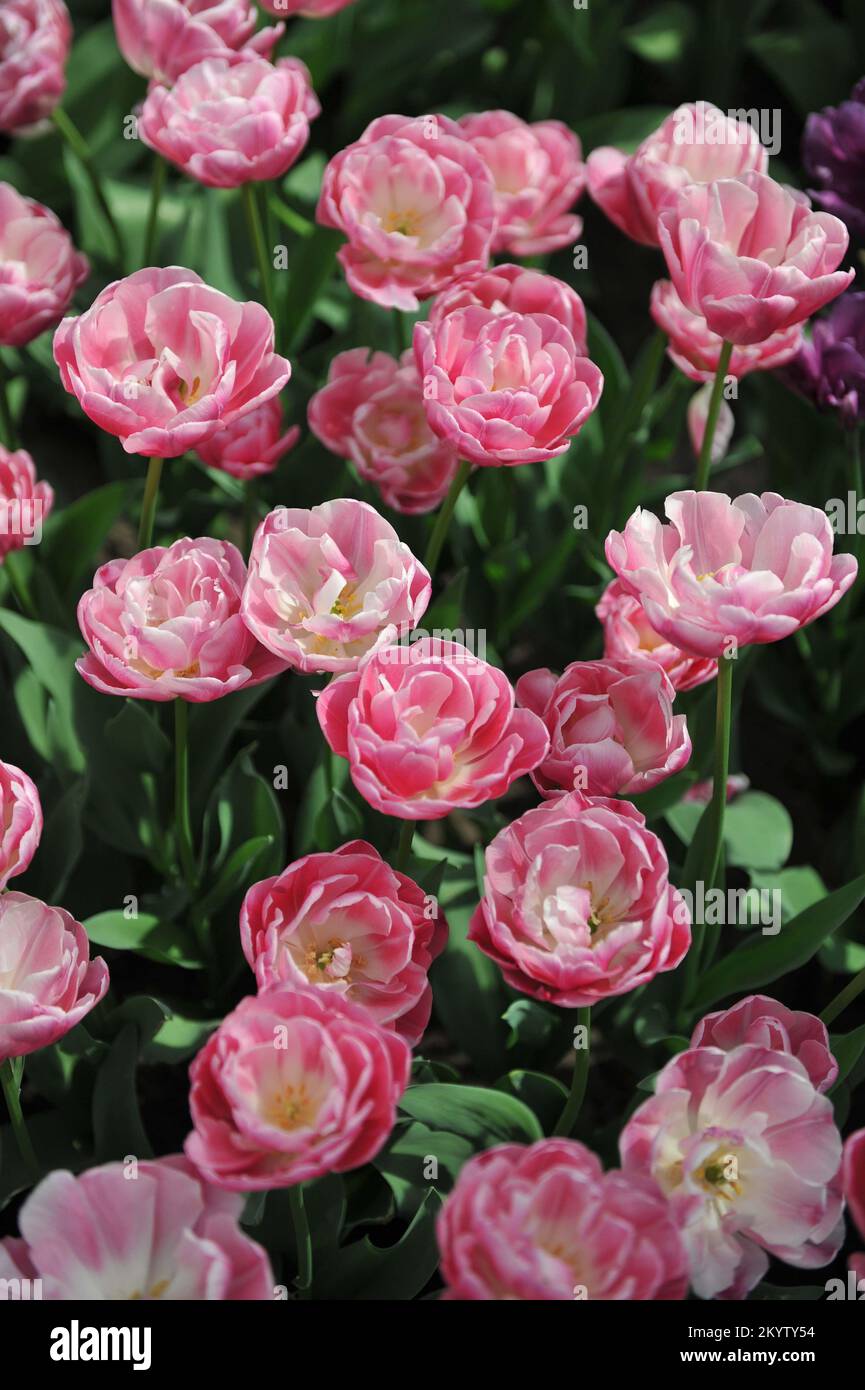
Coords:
pixel 290 1107
pixel 348 605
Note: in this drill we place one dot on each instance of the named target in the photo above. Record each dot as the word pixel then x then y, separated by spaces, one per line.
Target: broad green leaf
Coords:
pixel 482 1116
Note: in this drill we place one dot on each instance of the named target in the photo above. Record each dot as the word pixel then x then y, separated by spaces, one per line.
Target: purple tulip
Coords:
pixel 830 368
pixel 833 152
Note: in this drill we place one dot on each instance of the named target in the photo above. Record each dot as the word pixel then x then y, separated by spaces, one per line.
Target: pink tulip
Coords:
pixel 24 503
pixel 232 120
pixel 696 350
pixel 415 201
pixel 698 415
pixel 308 9
pixel 329 585
pixel 40 269
pixel 429 727
pixel 854 1186
pixel 294 1083
pixel 538 173
pixel 20 822
pixel 166 625
pixel 748 1155
pixel 751 257
pixel 372 412
pixel 628 634
pixel 749 569
pixel 48 982
pixel 252 445
pixel 695 144
pixel 611 725
pixel 348 924
pixel 35 36
pixel 577 906
pixel 766 1023
pixel 518 290
pixel 504 389
pixel 162 38
pixel 163 361
pixel 152 1231
pixel 545 1222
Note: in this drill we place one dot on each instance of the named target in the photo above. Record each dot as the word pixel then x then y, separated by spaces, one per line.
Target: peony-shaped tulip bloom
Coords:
pixel 628 634
pixel 611 726
pixel 516 289
pixel 294 1083
pixel 696 144
pixel 545 1222
pixel 372 412
pixel 308 9
pixel 415 201
pixel 833 153
pixel 577 905
pixel 35 36
pixel 538 173
pixel 232 120
pixel 429 727
pixel 160 39
pixel 24 502
pixel 696 350
pixel 167 625
pixel 163 361
pixel 749 569
pixel 751 256
pixel 330 584
pixel 40 269
pixel 505 388
pixel 157 1231
pixel 748 1154
pixel 48 982
pixel 20 821
pixel 853 1172
pixel 252 445
pixel 830 366
pixel 766 1023
pixel 349 924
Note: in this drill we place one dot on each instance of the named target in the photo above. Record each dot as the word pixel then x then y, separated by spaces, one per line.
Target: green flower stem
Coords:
pixel 443 520
pixel 10 1080
pixel 704 463
pixel 851 991
pixel 79 147
pixel 152 230
pixel 250 514
pixel 406 837
pixel 183 825
pixel 570 1114
pixel 18 587
pixel 7 423
pixel 723 721
pixel 302 1238
pixel 256 234
pixel 148 505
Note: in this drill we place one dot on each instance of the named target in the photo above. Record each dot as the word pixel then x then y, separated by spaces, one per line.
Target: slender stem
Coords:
pixel 7 423
pixel 18 586
pixel 148 505
pixel 443 520
pixel 568 1118
pixel 250 513
pixel 256 232
pixel 79 147
pixel 406 837
pixel 704 463
pixel 302 1238
pixel 723 720
pixel 844 610
pixel 183 825
pixel 851 991
pixel 11 1084
pixel 152 229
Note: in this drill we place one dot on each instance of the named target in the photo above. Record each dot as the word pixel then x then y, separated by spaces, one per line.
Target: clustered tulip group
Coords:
pixel 576 906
